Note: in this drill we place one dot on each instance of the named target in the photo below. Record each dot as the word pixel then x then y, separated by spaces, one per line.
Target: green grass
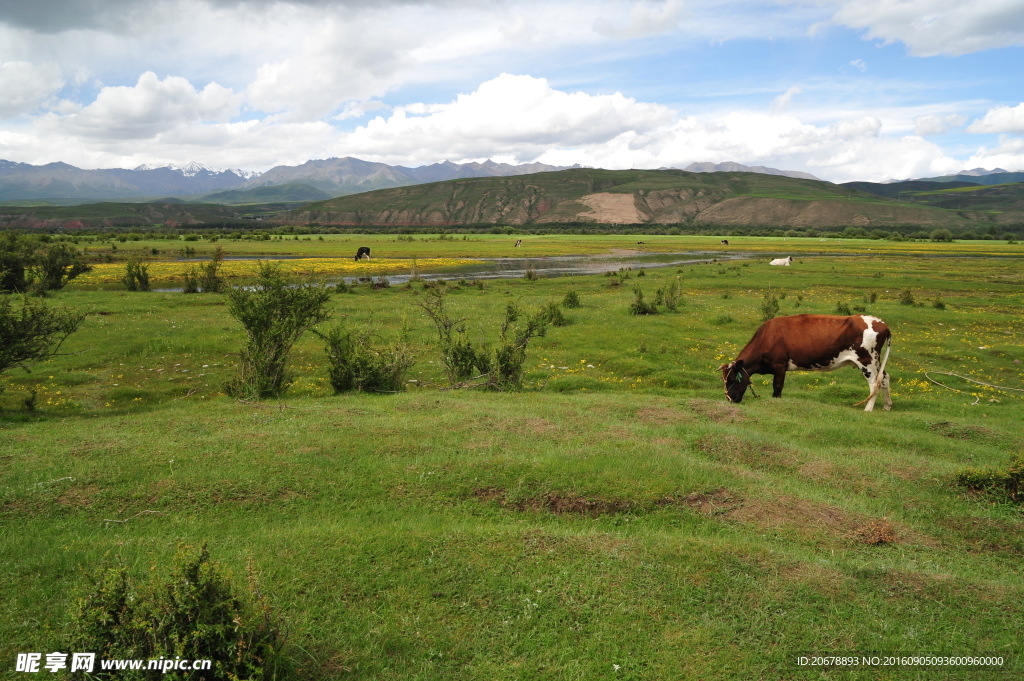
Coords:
pixel 623 514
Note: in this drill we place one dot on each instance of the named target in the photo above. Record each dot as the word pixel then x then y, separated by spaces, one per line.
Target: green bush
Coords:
pixel 907 297
pixel 33 332
pixel 769 306
pixel 460 359
pixel 571 300
pixel 510 355
pixel 210 280
pixel 843 309
pixel 1004 483
pixel 638 306
pixel 275 315
pixel 136 276
pixel 673 294
pixel 941 235
pixel 190 279
pixel 192 613
pixel 355 362
pixel 939 304
pixel 552 314
pixel 723 319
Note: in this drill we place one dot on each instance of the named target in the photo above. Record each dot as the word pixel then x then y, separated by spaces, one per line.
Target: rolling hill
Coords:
pixel 624 197
pixel 282 193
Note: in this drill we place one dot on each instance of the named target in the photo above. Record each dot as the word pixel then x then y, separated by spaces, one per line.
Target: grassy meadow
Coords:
pixel 616 519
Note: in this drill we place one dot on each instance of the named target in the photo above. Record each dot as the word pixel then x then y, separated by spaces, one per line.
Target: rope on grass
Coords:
pixel 950 373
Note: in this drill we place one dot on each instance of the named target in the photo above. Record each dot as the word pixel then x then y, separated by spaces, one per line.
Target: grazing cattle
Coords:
pixel 519 242
pixel 363 250
pixel 725 242
pixel 813 342
pixel 787 261
pixel 639 243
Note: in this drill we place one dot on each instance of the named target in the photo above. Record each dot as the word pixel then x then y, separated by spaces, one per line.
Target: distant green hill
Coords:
pixel 994 178
pixel 282 193
pixel 117 214
pixel 624 197
pixel 894 189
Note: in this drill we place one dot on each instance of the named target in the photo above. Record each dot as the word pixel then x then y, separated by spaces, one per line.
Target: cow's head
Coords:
pixel 736 379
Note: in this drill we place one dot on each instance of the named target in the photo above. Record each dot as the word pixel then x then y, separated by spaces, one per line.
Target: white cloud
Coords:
pixel 782 102
pixel 1000 119
pixel 1009 155
pixel 645 18
pixel 931 124
pixel 933 27
pixel 24 86
pixel 508 116
pixel 150 107
pixel 859 64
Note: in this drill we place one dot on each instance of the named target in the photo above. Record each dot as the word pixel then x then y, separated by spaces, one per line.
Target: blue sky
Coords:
pixel 872 89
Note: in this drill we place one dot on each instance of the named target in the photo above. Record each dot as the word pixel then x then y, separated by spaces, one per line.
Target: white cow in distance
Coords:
pixel 787 261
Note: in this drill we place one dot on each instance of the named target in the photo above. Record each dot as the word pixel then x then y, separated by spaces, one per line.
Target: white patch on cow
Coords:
pixel 844 358
pixel 782 261
pixel 870 339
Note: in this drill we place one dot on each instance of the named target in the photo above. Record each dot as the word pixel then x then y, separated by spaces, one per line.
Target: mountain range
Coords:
pixel 733 167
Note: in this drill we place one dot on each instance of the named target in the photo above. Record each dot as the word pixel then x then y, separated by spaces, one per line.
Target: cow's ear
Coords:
pixel 738 364
pixel 725 366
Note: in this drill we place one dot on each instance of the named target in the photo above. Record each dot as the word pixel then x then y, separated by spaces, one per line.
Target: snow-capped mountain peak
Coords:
pixel 193 168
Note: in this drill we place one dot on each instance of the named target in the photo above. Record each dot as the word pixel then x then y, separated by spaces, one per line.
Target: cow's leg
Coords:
pixel 885 389
pixel 871 374
pixel 779 380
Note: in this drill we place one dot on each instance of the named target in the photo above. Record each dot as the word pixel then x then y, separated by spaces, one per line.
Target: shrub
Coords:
pixel 938 304
pixel 907 297
pixel 1006 483
pixel 552 314
pixel 769 306
pixel 274 315
pixel 571 300
pixel 641 273
pixel 210 280
pixel 380 282
pixel 510 355
pixel 460 359
pixel 190 279
pixel 843 309
pixel 638 306
pixel 32 332
pixel 194 612
pixel 673 294
pixel 136 276
pixel 941 235
pixel 723 319
pixel 53 268
pixel 531 274
pixel 355 362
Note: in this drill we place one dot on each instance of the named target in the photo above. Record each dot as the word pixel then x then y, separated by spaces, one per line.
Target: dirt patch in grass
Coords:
pixel 818 470
pixel 809 518
pixel 902 584
pixel 715 502
pixel 958 431
pixel 733 450
pixel 559 503
pixel 661 416
pixel 78 497
pixel 718 411
pixel 823 580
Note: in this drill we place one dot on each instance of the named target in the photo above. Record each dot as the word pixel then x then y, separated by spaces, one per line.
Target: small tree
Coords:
pixel 638 306
pixel 460 359
pixel 15 257
pixel 907 297
pixel 136 276
pixel 32 332
pixel 510 355
pixel 571 300
pixel 190 279
pixel 769 306
pixel 209 274
pixel 941 235
pixel 275 315
pixel 673 294
pixel 55 266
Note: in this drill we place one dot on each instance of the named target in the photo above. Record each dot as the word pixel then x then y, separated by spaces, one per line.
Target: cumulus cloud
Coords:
pixel 150 107
pixel 1000 119
pixel 24 86
pixel 933 27
pixel 931 124
pixel 508 116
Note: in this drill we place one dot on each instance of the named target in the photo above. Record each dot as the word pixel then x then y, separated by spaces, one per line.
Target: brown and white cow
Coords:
pixel 813 342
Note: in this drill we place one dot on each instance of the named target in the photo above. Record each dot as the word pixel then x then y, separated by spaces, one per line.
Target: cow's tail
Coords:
pixel 880 378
